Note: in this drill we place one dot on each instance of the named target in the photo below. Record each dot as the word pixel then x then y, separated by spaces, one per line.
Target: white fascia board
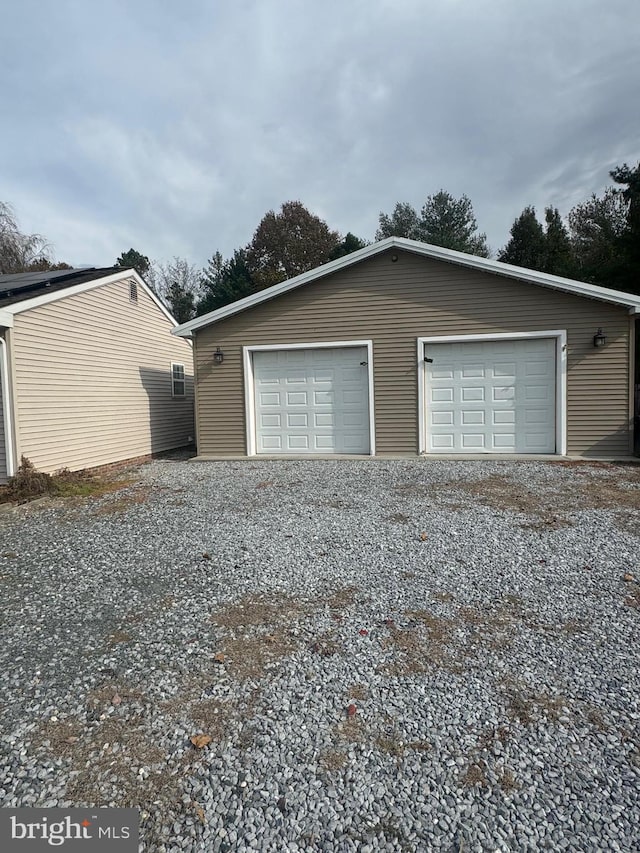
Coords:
pixel 6 319
pixel 568 285
pixel 73 290
pixel 278 289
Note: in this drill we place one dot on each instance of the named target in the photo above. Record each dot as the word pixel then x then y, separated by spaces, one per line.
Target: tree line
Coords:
pixel 598 242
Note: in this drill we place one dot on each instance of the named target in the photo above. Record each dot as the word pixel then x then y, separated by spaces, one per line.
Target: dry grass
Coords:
pixel 118 636
pixel 105 758
pixel 334 760
pixel 29 484
pixel 326 645
pixel 134 497
pixel 599 486
pixel 507 780
pixel 473 775
pixel 359 692
pixel 398 518
pixel 428 640
pixel 258 633
pixel 633 596
pixel 528 706
pixel 351 730
pixel 343 598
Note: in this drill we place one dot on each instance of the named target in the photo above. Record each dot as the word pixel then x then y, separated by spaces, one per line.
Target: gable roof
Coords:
pixel 568 285
pixel 22 291
pixel 16 287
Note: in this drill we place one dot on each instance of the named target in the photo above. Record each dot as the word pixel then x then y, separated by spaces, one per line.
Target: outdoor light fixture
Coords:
pixel 218 356
pixel 599 339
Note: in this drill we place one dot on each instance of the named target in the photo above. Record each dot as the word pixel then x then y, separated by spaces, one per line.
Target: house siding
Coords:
pixel 395 303
pixel 93 380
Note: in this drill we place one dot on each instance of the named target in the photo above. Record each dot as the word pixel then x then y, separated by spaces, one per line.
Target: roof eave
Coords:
pixel 72 290
pixel 590 291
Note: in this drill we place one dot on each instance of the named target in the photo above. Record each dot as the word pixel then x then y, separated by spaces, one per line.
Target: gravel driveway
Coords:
pixel 377 655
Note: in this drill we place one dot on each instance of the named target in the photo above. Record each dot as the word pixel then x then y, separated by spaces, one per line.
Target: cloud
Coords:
pixel 175 127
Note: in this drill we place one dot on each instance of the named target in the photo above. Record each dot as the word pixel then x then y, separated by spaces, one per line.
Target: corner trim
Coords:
pixel 6 409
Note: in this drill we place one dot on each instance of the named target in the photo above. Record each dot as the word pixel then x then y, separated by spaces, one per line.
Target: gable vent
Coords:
pixel 133 291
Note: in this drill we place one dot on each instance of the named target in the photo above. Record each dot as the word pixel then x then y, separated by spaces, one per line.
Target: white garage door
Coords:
pixel 491 396
pixel 312 400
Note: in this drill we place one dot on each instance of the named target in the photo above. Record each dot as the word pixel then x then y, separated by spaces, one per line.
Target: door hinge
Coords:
pixel 429 360
pixel 363 363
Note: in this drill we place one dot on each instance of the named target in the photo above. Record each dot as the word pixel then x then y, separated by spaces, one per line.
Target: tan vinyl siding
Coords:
pixel 93 380
pixel 395 303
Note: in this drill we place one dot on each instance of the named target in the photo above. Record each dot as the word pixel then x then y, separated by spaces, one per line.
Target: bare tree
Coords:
pixel 20 252
pixel 178 284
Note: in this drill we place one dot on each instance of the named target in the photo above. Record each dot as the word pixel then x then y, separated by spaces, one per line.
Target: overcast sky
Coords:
pixel 173 125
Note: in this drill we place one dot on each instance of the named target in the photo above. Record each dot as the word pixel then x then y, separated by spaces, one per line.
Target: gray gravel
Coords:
pixel 473 614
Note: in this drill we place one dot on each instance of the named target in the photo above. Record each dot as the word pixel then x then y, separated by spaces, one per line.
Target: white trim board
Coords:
pixel 7 410
pixel 561 379
pixel 249 395
pixel 580 288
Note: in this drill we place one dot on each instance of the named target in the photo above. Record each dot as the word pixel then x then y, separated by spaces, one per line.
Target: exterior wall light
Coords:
pixel 218 356
pixel 599 339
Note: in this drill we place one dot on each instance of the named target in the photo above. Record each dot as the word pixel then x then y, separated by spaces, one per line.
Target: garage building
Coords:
pixel 403 348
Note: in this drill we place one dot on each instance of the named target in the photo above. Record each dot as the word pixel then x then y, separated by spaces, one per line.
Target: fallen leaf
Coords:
pixel 116 699
pixel 423 536
pixel 206 556
pixel 628 577
pixel 219 657
pixel 200 741
pixel 352 710
pixel 363 632
pixel 199 811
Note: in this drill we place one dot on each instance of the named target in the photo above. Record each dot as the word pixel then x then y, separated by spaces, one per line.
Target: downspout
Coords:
pixel 6 408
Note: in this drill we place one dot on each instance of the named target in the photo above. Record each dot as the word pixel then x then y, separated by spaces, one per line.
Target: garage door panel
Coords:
pixel 296 398
pixel 273 420
pixel 469 395
pixel 270 398
pixel 442 418
pixel 472 371
pixel 491 396
pixel 322 403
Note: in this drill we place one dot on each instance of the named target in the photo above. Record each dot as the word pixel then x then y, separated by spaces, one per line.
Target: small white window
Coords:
pixel 133 291
pixel 177 380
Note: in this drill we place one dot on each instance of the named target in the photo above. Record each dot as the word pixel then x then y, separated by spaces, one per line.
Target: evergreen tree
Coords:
pixel 527 244
pixel 131 259
pixel 451 223
pixel 224 282
pixel 558 252
pixel 403 222
pixel 350 243
pixel 443 221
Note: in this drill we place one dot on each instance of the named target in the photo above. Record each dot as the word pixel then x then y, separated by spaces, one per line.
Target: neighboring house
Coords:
pixel 406 348
pixel 89 371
